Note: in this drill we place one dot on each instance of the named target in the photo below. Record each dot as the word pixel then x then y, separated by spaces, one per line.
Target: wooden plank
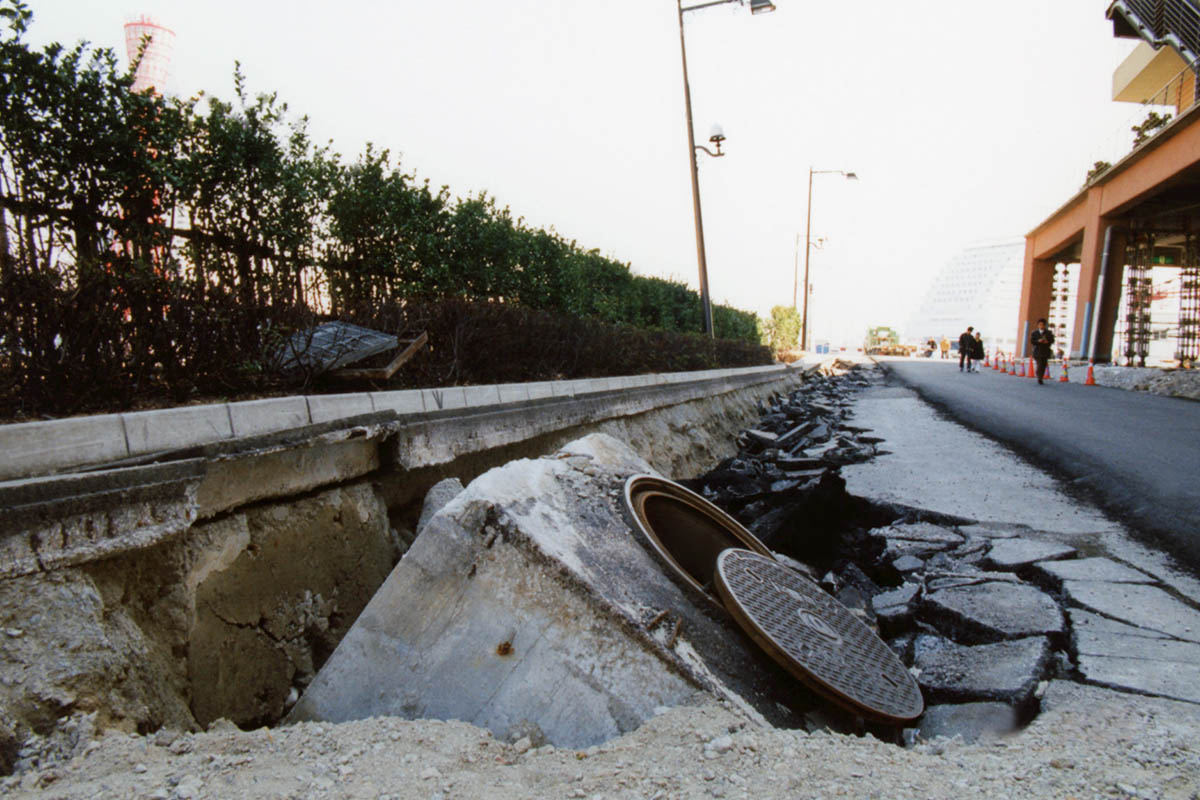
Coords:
pixel 384 373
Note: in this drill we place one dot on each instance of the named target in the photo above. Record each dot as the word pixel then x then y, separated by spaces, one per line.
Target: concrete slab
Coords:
pixel 443 399
pixel 1087 621
pixel 36 448
pixel 1096 568
pixel 1013 554
pixel 540 390
pixel 480 395
pixel 969 721
pixel 175 428
pixel 328 407
pixel 513 392
pixel 1139 605
pixel 269 415
pixel 1176 680
pixel 410 401
pixel 1005 671
pixel 991 611
pixel 527 601
pixel 929 456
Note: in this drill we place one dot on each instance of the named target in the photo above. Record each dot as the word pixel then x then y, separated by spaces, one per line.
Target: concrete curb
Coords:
pixel 41 448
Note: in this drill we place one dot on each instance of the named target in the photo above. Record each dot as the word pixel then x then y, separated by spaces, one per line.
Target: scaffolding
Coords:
pixel 1139 258
pixel 1189 304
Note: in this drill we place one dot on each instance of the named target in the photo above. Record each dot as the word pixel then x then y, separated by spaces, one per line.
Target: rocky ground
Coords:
pixel 1088 741
pixel 1169 382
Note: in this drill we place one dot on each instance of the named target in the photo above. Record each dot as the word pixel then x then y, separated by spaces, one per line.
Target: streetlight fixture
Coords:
pixel 808 246
pixel 718 136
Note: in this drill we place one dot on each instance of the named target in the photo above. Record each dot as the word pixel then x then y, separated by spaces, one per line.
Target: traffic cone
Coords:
pixel 1032 369
pixel 1063 378
pixel 986 363
pixel 996 364
pixel 1091 378
pixel 1021 370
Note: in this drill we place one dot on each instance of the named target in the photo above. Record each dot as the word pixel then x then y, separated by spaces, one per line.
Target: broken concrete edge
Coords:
pixel 60 520
pixel 39 448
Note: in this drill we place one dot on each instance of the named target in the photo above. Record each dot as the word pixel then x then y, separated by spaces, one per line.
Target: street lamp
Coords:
pixel 808 246
pixel 756 7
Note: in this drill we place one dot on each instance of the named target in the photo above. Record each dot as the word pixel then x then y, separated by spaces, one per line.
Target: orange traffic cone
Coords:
pixel 1063 378
pixel 986 363
pixel 1032 370
pixel 1091 377
pixel 1021 370
pixel 996 363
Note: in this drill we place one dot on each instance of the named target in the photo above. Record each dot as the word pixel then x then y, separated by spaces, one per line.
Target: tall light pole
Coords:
pixel 756 7
pixel 808 243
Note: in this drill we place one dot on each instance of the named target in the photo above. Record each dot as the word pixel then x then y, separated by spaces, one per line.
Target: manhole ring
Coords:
pixel 686 532
pixel 816 638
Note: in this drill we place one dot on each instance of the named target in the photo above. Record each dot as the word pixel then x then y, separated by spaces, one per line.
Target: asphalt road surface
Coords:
pixel 1136 454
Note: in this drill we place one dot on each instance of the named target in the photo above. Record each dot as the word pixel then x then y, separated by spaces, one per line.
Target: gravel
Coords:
pixel 1089 742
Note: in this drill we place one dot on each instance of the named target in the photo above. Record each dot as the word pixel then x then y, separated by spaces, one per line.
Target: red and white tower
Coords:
pixel 155 66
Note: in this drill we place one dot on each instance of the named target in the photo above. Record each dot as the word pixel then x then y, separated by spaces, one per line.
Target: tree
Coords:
pixel 782 330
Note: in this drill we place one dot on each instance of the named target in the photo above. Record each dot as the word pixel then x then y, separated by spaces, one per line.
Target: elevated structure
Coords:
pixel 1138 214
pixel 155 66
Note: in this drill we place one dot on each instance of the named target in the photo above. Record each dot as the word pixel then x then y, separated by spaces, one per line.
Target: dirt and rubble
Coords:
pixel 1090 743
pixel 931 582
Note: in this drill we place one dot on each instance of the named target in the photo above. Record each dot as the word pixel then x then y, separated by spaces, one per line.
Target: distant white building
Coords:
pixel 979 287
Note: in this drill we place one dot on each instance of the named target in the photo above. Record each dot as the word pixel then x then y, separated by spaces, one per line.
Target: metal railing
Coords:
pixel 1175 97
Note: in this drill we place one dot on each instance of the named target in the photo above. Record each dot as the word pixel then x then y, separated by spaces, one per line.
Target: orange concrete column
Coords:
pixel 1090 257
pixel 1037 287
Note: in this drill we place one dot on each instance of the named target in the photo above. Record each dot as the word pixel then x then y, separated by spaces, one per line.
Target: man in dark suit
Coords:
pixel 966 341
pixel 1041 340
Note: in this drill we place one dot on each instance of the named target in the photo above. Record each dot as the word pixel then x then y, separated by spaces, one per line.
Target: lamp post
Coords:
pixel 808 243
pixel 756 7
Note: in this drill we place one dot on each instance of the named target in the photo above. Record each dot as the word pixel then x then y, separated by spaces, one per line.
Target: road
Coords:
pixel 1136 454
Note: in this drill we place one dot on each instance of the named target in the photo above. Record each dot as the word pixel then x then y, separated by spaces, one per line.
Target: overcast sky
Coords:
pixel 966 121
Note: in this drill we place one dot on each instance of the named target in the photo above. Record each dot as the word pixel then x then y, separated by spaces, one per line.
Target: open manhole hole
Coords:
pixel 816 638
pixel 686 531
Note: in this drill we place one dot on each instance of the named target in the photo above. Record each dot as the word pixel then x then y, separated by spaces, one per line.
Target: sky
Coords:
pixel 966 121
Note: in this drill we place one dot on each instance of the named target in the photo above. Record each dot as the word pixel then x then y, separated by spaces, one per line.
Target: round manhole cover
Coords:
pixel 685 531
pixel 816 638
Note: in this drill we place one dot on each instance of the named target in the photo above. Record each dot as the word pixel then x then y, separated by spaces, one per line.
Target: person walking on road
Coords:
pixel 966 341
pixel 977 354
pixel 1042 340
pixel 945 347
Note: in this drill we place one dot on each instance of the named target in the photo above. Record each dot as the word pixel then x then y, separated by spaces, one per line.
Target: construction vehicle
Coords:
pixel 883 341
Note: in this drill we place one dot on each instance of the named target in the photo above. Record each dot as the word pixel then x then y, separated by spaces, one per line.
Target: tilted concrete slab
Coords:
pixel 1141 606
pixel 526 600
pixel 1096 568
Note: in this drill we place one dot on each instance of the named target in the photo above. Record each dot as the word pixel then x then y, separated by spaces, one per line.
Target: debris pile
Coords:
pixel 984 614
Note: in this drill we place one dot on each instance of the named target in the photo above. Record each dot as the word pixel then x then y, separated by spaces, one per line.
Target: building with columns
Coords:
pixel 1139 217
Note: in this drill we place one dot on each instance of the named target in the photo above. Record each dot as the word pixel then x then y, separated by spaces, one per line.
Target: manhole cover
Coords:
pixel 685 531
pixel 816 638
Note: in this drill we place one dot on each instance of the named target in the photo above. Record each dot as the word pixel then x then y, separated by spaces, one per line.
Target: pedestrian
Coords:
pixel 945 348
pixel 1041 339
pixel 977 354
pixel 966 343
